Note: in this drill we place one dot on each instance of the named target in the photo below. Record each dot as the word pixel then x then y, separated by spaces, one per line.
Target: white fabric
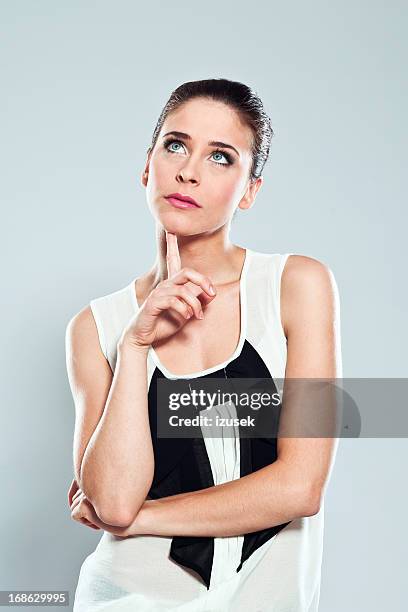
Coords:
pixel 224 455
pixel 136 574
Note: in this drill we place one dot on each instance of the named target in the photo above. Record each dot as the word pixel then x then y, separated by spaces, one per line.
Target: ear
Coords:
pixel 252 189
pixel 145 174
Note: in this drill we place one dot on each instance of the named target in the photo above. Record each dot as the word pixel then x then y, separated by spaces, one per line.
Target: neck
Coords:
pixel 212 255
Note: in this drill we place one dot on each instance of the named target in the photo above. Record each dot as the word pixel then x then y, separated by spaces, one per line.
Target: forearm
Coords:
pixel 268 497
pixel 118 464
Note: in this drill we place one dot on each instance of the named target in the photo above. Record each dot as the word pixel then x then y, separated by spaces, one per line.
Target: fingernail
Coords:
pixel 212 290
pixel 201 315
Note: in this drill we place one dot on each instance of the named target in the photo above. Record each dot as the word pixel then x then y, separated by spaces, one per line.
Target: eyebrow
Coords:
pixel 212 143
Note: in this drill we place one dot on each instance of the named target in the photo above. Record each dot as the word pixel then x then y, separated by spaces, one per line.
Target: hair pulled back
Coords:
pixel 239 97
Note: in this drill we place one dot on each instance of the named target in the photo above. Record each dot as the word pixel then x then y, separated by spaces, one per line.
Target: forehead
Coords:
pixel 205 120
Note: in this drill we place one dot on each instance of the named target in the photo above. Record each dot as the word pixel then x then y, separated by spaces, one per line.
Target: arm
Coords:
pixel 113 453
pixel 293 485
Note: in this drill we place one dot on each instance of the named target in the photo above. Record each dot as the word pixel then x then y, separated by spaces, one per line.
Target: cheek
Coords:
pixel 158 171
pixel 160 177
pixel 225 191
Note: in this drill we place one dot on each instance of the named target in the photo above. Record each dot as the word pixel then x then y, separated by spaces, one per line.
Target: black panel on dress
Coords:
pixel 182 465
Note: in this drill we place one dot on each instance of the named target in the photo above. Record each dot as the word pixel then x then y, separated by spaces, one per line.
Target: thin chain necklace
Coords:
pixel 225 374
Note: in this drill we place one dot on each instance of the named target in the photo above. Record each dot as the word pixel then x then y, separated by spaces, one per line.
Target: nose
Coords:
pixel 187 173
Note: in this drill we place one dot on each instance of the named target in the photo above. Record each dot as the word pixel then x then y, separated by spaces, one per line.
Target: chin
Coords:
pixel 176 224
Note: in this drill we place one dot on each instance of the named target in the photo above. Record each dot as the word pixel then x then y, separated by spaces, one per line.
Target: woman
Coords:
pixel 205 523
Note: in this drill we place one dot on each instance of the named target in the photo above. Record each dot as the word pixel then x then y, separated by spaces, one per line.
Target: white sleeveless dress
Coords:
pixel 136 574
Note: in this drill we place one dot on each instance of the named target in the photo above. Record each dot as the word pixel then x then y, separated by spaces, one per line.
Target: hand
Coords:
pixel 74 498
pixel 171 304
pixel 83 511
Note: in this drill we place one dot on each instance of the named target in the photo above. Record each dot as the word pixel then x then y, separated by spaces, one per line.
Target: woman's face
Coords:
pixel 215 176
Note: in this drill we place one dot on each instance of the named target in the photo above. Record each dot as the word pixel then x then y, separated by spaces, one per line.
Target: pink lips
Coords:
pixel 181 201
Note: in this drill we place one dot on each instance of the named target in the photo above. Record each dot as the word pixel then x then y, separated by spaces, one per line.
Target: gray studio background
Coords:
pixel 83 84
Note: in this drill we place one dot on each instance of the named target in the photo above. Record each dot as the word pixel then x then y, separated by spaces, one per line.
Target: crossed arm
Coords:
pixel 292 486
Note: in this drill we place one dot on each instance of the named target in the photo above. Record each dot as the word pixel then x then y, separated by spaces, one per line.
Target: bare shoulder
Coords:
pixel 82 340
pixel 301 269
pixel 81 328
pixel 308 290
pixel 88 370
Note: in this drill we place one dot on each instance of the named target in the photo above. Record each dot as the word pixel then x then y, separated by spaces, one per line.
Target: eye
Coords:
pixel 170 142
pixel 225 156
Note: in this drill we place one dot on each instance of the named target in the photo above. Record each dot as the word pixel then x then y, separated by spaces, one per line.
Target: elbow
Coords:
pixel 118 513
pixel 116 516
pixel 311 501
pixel 111 508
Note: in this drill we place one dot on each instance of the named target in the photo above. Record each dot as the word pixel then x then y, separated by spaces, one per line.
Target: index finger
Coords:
pixel 172 255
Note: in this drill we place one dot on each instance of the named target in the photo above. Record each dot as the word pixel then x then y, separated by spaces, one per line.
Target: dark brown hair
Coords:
pixel 238 96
